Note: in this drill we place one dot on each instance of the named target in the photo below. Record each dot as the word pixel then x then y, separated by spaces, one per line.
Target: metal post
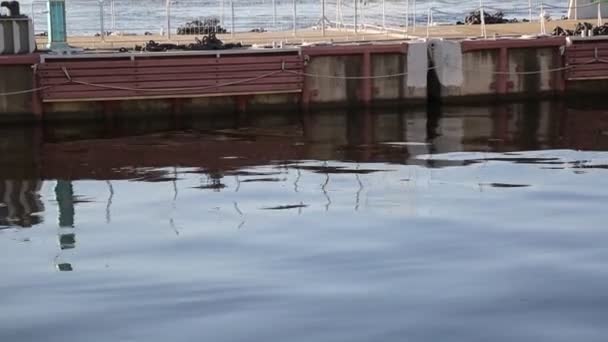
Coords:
pixel 407 15
pixel 576 9
pixel 356 16
pixel 483 19
pixel 57 25
pixel 113 15
pixel 428 22
pixel 232 24
pixel 362 11
pixel 222 12
pixel 530 10
pixel 168 19
pixel 101 21
pixel 339 14
pixel 323 17
pixel 599 13
pixel 542 19
pixel 295 20
pixel 33 15
pixel 274 14
pixel 414 17
pixel 384 14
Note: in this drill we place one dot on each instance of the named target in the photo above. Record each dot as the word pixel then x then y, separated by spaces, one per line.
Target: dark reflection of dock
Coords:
pixel 220 146
pixel 20 203
pixel 229 143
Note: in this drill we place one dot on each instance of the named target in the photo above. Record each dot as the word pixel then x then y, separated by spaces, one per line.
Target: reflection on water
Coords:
pixel 20 203
pixel 449 223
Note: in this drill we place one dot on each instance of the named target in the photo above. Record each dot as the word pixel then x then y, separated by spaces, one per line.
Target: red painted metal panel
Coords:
pixel 489 44
pixel 358 49
pixel 170 77
pixel 228 77
pixel 100 95
pixel 585 45
pixel 165 62
pixel 174 85
pixel 56 71
pixel 29 59
pixel 587 49
pixel 587 60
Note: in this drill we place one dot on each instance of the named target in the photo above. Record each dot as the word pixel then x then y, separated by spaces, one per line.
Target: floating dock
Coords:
pixel 315 75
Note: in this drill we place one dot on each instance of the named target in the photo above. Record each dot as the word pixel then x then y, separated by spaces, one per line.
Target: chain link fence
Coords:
pixel 185 17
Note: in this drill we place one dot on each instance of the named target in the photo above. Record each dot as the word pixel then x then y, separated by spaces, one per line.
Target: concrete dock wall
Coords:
pixel 358 74
pixel 503 69
pixel 159 84
pixel 16 75
pixel 506 69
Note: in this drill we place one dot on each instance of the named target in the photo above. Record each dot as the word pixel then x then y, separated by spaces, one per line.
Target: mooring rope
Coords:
pixel 70 80
pixel 27 91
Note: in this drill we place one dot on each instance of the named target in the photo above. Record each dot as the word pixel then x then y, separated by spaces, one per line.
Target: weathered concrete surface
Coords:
pixel 394 88
pixel 515 73
pixel 359 75
pixel 546 60
pixel 192 107
pixel 15 78
pixel 273 102
pixel 331 87
pixel 479 78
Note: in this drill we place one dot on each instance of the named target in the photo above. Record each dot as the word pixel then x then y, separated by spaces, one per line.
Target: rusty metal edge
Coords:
pixel 492 44
pixel 101 99
pixel 29 59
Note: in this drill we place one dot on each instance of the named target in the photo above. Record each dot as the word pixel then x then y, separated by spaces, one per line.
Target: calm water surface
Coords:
pixel 469 224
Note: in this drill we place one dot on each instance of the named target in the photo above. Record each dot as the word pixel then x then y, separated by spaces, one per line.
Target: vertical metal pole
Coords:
pixel 384 14
pixel 483 19
pixel 428 22
pixel 407 15
pixel 323 17
pixel 356 16
pixel 542 19
pixel 113 15
pixel 338 14
pixel 168 19
pixel 530 10
pixel 222 12
pixel 33 16
pixel 414 18
pixel 101 21
pixel 599 13
pixel 576 9
pixel 57 37
pixel 362 10
pixel 232 23
pixel 274 14
pixel 295 20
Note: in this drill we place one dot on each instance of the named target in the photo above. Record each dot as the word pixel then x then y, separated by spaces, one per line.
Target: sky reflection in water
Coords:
pixel 357 227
